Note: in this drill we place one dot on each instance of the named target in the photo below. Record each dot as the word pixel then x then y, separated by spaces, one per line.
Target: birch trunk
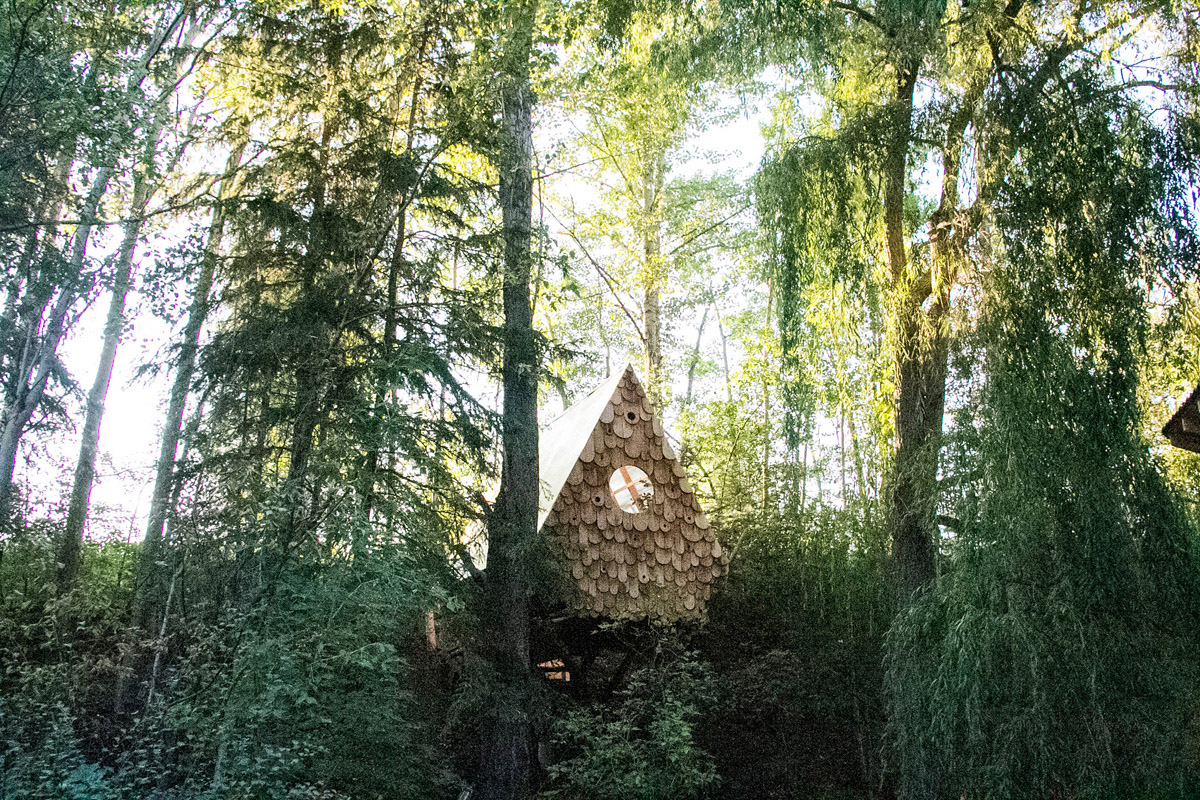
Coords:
pixel 653 272
pixel 144 187
pixel 85 467
pixel 185 369
pixel 41 359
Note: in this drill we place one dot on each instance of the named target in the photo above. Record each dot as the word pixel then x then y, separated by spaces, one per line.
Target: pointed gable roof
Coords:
pixel 654 559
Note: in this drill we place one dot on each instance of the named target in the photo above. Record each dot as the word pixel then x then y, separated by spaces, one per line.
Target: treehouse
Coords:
pixel 1183 428
pixel 618 515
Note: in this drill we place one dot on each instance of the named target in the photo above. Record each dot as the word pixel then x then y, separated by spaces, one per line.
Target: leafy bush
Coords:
pixel 304 693
pixel 643 747
pixel 795 638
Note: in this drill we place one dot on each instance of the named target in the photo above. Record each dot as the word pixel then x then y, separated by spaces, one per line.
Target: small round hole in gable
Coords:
pixel 631 489
pixel 631 416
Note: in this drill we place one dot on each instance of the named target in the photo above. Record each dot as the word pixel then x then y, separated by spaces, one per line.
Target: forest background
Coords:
pixel 917 360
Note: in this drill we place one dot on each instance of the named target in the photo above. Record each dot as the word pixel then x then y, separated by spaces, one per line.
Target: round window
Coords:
pixel 631 488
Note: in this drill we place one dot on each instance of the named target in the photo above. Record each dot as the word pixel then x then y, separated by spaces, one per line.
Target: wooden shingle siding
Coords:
pixel 658 564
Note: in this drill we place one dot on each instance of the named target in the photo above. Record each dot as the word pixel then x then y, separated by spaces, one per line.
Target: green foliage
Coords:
pixel 313 690
pixel 55 666
pixel 822 230
pixel 796 640
pixel 43 760
pixel 653 235
pixel 306 690
pixel 324 471
pixel 644 747
pixel 75 88
pixel 1057 655
pixel 334 399
pixel 339 416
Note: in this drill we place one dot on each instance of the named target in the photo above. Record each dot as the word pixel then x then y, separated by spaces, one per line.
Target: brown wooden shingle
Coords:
pixel 659 563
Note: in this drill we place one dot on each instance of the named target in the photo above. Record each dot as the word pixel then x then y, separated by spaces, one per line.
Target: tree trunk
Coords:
pixel 34 372
pixel 508 756
pixel 85 468
pixel 766 449
pixel 653 271
pixel 724 355
pixel 185 369
pixel 15 320
pixel 694 360
pixel 650 321
pixel 42 360
pixel 922 354
pixel 144 186
pixel 921 385
pixel 919 401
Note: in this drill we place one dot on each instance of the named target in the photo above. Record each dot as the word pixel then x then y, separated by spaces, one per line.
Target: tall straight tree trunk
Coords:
pixel 694 360
pixel 144 186
pixel 508 754
pixel 85 467
pixel 42 358
pixel 654 270
pixel 185 369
